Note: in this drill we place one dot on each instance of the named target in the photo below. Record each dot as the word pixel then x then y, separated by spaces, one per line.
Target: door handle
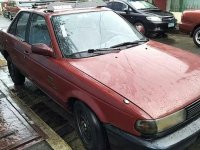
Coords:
pixel 26 52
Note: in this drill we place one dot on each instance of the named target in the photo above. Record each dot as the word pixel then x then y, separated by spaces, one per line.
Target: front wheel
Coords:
pixel 15 74
pixel 140 27
pixel 89 128
pixel 196 37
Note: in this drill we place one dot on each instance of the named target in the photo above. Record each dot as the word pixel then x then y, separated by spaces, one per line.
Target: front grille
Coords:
pixel 168 19
pixel 193 110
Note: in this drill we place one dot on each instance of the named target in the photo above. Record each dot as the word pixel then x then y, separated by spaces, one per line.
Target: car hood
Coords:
pixel 158 13
pixel 157 78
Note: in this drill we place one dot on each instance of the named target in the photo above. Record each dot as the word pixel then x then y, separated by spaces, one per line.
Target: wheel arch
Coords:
pixel 92 104
pixel 138 21
pixel 192 33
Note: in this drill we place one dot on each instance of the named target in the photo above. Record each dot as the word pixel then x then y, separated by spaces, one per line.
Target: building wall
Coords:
pixel 176 5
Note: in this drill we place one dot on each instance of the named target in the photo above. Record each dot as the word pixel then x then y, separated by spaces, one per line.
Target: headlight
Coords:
pixel 154 19
pixel 150 127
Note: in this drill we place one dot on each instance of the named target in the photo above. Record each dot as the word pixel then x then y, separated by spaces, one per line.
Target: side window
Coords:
pixel 13 27
pixel 18 28
pixel 38 30
pixel 120 6
pixel 21 25
pixel 110 5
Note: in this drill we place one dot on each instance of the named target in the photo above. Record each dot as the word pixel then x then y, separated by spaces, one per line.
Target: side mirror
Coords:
pixel 42 49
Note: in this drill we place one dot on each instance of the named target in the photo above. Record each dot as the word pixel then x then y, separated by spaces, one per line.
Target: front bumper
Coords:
pixel 159 27
pixel 179 139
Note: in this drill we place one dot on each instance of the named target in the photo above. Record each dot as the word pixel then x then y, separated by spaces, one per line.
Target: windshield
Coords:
pixel 142 5
pixel 92 30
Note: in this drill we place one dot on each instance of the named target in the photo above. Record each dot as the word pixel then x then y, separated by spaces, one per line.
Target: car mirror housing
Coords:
pixel 42 49
pixel 127 11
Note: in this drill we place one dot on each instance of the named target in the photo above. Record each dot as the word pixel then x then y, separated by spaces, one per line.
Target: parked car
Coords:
pixel 124 91
pixel 146 17
pixel 12 7
pixel 190 24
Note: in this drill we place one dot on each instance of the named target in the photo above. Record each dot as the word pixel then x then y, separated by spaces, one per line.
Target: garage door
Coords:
pixel 181 5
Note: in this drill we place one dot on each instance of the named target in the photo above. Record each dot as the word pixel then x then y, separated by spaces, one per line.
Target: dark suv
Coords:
pixel 146 17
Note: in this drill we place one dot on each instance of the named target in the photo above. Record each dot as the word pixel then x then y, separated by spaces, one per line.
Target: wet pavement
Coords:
pixel 4 22
pixel 30 96
pixel 17 131
pixel 180 40
pixel 58 119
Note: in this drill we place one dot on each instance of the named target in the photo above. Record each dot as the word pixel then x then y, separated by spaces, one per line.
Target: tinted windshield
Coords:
pixel 94 30
pixel 142 5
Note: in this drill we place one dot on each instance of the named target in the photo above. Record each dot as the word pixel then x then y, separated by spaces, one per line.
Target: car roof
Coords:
pixel 43 12
pixel 81 7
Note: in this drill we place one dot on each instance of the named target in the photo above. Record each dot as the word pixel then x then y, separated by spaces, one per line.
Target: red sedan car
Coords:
pixel 125 91
pixel 190 23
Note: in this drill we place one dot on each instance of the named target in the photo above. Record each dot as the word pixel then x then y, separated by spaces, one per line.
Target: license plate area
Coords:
pixel 170 25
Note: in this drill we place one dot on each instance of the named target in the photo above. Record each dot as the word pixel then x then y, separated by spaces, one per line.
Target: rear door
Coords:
pixel 18 47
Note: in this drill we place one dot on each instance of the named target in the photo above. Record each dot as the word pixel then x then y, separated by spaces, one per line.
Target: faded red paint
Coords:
pixel 156 78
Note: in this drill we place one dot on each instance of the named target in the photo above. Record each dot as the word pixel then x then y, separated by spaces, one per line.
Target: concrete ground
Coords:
pixel 180 40
pixel 31 95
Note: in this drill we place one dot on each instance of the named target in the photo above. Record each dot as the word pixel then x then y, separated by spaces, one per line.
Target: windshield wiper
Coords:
pixel 130 43
pixel 103 50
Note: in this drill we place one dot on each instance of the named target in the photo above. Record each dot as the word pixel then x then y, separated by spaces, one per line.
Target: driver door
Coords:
pixel 42 67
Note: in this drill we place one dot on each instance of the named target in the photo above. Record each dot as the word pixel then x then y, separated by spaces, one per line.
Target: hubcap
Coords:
pixel 197 37
pixel 140 27
pixel 84 127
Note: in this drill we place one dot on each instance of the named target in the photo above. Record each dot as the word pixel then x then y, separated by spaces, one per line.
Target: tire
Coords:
pixel 196 37
pixel 15 74
pixel 140 27
pixel 89 128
